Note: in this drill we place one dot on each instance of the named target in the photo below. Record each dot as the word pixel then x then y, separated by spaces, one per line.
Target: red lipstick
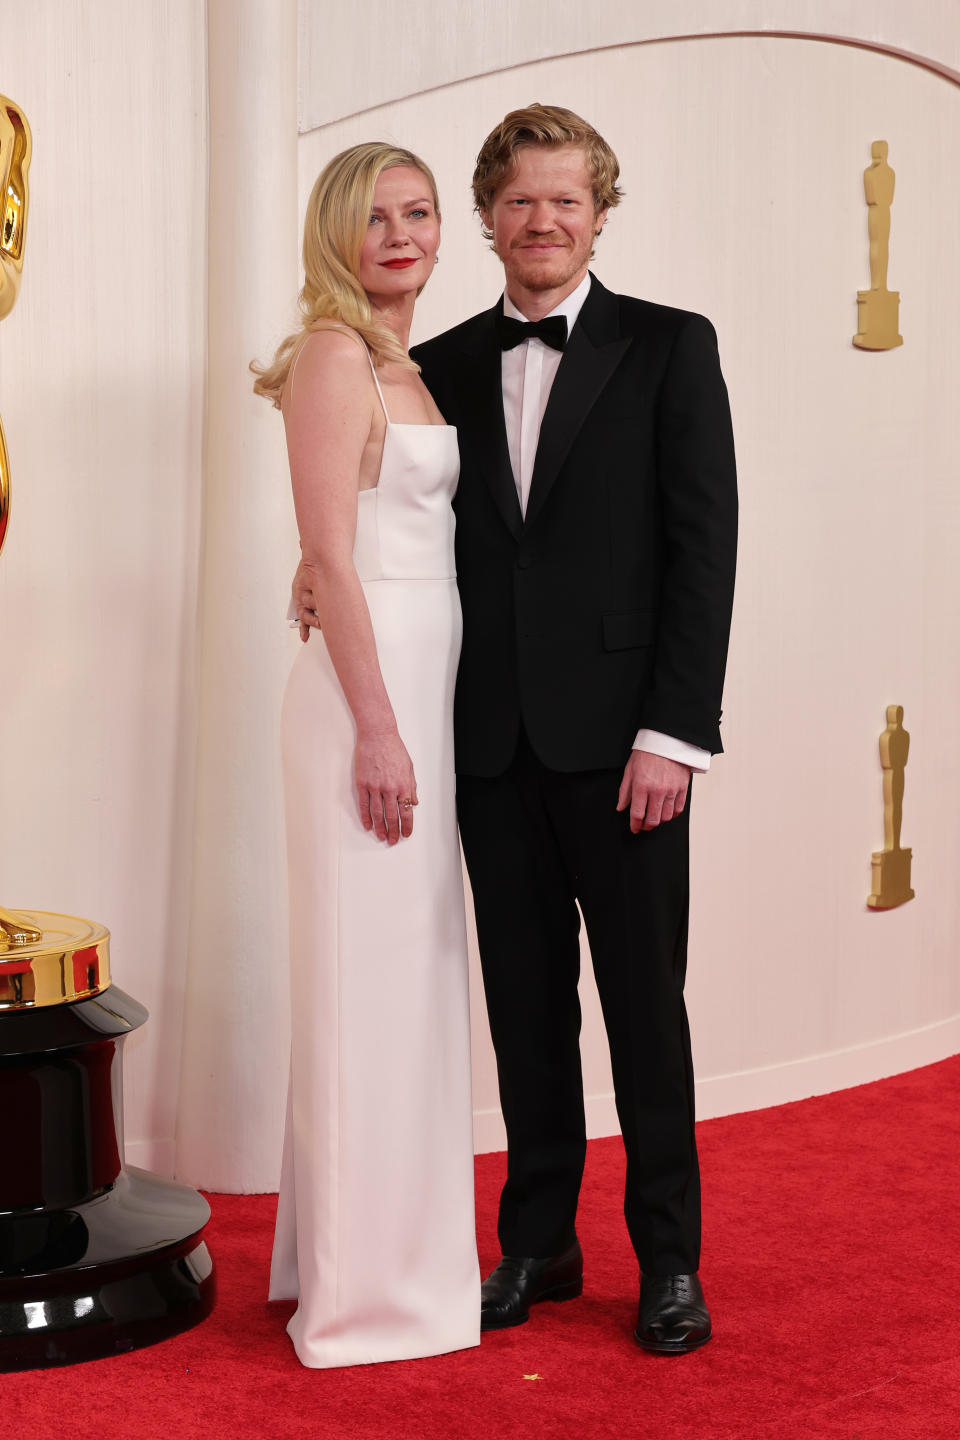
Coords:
pixel 398 264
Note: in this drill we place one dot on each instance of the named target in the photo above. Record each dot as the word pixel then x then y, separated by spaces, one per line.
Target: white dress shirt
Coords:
pixel 527 373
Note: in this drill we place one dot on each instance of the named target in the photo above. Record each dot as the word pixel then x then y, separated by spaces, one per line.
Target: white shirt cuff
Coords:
pixel 685 754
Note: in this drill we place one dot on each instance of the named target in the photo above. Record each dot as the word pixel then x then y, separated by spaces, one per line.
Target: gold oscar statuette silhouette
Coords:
pixel 14 164
pixel 891 865
pixel 878 309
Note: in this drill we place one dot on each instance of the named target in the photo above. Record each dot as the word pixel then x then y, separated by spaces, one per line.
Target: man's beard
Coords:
pixel 538 277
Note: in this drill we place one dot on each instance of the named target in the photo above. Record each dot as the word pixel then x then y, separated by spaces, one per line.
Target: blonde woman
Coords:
pixel 375 1226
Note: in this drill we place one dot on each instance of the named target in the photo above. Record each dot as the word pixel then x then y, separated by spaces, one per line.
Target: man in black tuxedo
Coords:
pixel 596 535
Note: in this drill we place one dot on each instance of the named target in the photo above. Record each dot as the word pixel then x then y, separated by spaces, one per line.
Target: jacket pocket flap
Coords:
pixel 623 630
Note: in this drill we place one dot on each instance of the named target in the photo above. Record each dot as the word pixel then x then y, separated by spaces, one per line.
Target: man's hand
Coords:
pixel 653 788
pixel 304 602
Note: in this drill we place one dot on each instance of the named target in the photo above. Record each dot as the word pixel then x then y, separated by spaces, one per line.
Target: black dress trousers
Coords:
pixel 537 841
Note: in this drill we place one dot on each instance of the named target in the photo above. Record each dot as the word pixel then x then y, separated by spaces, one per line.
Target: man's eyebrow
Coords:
pixel 518 190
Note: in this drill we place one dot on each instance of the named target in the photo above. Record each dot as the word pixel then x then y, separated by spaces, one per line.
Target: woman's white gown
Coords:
pixel 375 1226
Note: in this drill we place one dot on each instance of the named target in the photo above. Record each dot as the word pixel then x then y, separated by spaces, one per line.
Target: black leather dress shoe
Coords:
pixel 507 1294
pixel 673 1316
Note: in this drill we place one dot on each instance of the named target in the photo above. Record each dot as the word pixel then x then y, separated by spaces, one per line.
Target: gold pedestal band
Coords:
pixel 71 961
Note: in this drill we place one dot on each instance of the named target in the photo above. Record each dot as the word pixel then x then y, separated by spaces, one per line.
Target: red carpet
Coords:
pixel 831 1263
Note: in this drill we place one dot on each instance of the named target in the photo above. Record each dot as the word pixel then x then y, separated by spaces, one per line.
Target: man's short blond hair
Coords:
pixel 547 125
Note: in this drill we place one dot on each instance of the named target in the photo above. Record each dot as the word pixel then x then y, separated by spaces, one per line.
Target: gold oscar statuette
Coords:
pixel 34 969
pixel 15 149
pixel 15 146
pixel 878 309
pixel 891 865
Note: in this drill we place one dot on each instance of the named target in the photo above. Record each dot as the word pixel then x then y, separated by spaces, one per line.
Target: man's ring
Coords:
pixel 405 804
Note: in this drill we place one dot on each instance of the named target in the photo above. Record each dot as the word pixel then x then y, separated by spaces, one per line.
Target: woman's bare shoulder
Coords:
pixel 333 345
pixel 332 357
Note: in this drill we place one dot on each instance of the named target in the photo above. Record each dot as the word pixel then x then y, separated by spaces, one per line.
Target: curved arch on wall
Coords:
pixel 333 54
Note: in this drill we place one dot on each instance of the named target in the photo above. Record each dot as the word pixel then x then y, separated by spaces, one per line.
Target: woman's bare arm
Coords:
pixel 328 415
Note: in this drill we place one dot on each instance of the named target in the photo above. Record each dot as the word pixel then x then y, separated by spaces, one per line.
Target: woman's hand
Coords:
pixel 386 786
pixel 304 600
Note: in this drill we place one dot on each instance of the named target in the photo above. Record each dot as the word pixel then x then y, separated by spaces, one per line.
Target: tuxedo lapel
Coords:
pixel 593 352
pixel 481 430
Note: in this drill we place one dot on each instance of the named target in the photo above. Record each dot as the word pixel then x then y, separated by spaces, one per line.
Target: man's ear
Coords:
pixel 601 220
pixel 486 219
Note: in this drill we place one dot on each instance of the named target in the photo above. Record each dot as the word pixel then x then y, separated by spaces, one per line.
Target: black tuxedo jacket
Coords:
pixel 608 607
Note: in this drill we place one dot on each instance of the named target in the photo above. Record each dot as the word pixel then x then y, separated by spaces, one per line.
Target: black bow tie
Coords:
pixel 552 331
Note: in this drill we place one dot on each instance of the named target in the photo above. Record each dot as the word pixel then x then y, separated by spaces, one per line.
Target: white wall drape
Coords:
pixel 236 1025
pixel 144 581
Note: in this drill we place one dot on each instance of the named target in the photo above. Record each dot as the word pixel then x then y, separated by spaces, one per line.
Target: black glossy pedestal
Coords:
pixel 96 1257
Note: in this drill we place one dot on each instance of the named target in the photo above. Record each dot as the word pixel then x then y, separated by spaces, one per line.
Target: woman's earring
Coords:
pixel 436 258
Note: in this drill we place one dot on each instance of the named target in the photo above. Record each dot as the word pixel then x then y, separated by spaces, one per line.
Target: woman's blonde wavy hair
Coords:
pixel 338 213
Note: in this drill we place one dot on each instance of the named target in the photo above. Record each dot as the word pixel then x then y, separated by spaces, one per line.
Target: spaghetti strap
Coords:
pixel 379 391
pixel 293 367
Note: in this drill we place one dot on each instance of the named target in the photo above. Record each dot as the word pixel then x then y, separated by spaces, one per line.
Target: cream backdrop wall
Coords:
pixel 142 589
pixel 742 161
